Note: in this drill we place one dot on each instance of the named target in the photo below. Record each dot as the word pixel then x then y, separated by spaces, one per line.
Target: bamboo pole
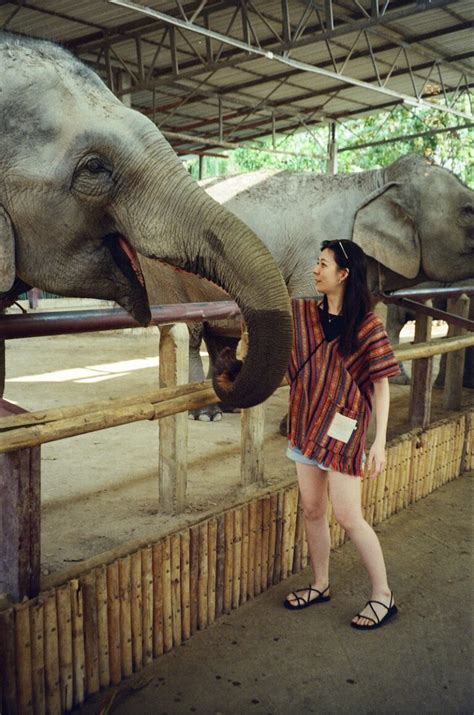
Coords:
pixel 40 417
pixel 37 658
pixel 258 548
pixel 244 572
pixel 228 560
pixel 23 659
pixel 220 562
pixel 136 609
pixel 175 548
pixel 113 623
pixel 125 616
pixel 194 576
pixel 147 602
pixel 265 540
pixel 63 603
pixel 185 586
pixel 102 597
pixel 112 417
pixel 203 576
pixel 51 655
pixel 237 557
pixel 211 569
pixel 286 534
pixel 298 540
pixel 272 538
pixel 91 641
pixel 412 351
pixel 277 566
pixel 252 546
pixel 158 627
pixel 78 654
pixel 8 661
pixel 167 599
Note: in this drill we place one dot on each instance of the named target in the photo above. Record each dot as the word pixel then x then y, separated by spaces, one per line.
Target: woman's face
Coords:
pixel 329 278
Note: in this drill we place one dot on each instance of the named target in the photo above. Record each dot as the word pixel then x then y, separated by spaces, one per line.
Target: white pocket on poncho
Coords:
pixel 342 427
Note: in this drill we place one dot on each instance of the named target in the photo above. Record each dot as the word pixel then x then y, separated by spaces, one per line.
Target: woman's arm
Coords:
pixel 377 456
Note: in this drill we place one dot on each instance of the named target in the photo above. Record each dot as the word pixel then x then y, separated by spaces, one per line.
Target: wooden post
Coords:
pixel 251 434
pixel 251 448
pixel 455 360
pixel 174 361
pixel 421 377
pixel 20 517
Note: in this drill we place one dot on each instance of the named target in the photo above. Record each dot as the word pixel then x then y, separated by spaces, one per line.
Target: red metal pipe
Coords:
pixel 66 322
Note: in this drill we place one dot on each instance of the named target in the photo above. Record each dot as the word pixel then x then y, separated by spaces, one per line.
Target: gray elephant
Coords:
pixel 88 184
pixel 413 219
pixel 397 316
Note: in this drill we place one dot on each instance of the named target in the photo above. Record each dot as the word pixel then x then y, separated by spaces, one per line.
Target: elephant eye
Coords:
pixel 95 166
pixel 468 210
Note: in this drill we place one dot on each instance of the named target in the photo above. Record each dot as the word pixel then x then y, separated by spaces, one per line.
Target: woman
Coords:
pixel 341 360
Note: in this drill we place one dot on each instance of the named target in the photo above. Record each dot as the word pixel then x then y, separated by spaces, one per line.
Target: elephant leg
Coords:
pixel 468 376
pixel 215 344
pixel 283 426
pixel 396 319
pixel 208 413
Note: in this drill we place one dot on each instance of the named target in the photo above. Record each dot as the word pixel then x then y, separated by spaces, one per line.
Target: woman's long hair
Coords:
pixel 357 301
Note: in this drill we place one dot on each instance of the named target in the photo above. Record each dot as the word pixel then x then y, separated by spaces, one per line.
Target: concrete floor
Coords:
pixel 264 660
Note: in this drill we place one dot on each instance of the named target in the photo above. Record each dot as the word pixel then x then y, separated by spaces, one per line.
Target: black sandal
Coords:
pixel 305 602
pixel 392 610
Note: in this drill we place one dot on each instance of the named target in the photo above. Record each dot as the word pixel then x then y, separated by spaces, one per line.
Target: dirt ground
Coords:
pixel 100 490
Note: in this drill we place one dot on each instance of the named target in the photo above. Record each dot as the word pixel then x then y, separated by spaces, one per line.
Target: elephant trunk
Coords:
pixel 183 226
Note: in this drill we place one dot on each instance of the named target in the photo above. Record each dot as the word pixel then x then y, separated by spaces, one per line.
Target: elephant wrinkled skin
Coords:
pixel 88 185
pixel 413 219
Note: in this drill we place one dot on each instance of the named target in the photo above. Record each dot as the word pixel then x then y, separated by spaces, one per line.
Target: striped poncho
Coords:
pixel 328 383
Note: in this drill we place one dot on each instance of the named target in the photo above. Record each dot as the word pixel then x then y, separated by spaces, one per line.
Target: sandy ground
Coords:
pixel 100 490
pixel 262 659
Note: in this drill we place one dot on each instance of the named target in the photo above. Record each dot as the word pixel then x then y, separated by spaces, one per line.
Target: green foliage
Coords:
pixel 453 150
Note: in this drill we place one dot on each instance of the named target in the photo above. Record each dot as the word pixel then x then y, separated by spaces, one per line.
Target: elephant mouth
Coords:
pixel 125 256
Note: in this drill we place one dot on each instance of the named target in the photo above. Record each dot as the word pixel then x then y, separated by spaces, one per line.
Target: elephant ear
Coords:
pixel 7 252
pixel 386 232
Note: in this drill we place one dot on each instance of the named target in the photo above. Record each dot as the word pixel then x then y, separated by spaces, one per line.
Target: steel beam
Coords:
pixel 287 60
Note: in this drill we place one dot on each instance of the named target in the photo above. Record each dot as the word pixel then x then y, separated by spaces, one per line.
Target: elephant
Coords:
pixel 397 316
pixel 413 219
pixel 88 185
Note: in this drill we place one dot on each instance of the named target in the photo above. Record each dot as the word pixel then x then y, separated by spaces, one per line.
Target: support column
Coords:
pixel 252 441
pixel 331 167
pixel 452 395
pixel 252 427
pixel 421 376
pixel 174 370
pixel 20 518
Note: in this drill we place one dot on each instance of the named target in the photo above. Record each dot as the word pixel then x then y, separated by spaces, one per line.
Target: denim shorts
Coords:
pixel 296 455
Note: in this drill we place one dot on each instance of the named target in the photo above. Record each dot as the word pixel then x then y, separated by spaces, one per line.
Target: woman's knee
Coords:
pixel 315 510
pixel 349 518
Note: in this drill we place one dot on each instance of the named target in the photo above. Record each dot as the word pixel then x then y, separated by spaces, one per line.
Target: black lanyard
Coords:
pixel 308 358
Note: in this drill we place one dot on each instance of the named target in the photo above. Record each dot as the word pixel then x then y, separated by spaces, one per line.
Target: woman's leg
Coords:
pixel 313 486
pixel 345 495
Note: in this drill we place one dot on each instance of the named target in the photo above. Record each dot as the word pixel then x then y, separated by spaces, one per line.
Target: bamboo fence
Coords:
pixel 95 630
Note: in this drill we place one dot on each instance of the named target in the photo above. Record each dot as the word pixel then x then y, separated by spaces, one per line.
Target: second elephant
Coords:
pixel 413 219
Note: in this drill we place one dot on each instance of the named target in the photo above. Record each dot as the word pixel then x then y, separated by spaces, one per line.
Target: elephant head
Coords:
pixel 419 224
pixel 86 184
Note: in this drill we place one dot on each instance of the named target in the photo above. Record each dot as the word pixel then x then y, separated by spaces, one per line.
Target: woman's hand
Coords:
pixel 377 459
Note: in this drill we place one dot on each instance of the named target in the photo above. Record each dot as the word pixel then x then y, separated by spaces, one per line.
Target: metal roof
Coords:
pixel 230 71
